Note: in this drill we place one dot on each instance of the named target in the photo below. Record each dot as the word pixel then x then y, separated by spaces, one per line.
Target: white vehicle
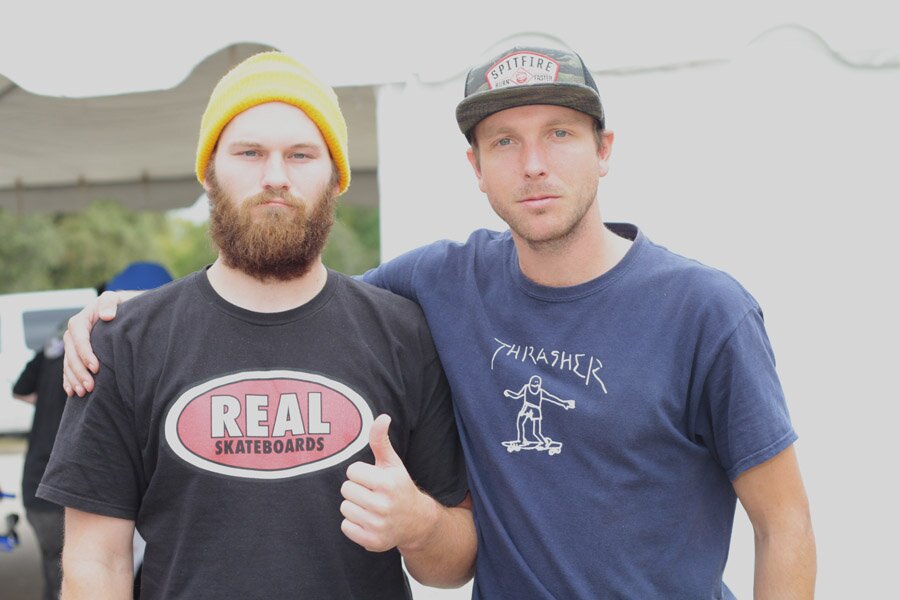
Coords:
pixel 27 320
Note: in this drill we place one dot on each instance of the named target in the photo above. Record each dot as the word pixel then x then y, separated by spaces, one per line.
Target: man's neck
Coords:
pixel 270 296
pixel 588 253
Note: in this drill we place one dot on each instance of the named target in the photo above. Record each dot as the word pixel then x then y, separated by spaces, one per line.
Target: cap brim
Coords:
pixel 479 106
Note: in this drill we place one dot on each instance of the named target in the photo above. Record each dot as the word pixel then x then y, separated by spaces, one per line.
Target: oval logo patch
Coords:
pixel 268 424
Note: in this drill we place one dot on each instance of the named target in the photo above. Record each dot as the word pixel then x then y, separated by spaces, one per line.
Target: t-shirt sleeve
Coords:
pixel 397 275
pixel 434 457
pixel 28 380
pixel 746 418
pixel 96 464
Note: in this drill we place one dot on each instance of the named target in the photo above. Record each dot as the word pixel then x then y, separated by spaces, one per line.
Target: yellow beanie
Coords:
pixel 274 77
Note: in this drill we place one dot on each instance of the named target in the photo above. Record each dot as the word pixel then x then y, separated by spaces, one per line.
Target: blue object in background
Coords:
pixel 139 276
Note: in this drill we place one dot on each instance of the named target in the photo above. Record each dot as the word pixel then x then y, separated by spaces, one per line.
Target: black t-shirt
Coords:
pixel 226 434
pixel 42 376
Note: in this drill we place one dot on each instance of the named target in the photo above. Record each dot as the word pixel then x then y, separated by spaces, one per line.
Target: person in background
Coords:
pixel 38 384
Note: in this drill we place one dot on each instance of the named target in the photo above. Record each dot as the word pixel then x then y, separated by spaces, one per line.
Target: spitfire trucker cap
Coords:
pixel 528 75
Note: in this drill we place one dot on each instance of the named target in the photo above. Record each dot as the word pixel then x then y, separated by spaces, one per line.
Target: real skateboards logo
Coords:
pixel 268 424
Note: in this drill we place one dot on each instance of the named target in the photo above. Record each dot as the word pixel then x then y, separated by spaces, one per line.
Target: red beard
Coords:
pixel 279 243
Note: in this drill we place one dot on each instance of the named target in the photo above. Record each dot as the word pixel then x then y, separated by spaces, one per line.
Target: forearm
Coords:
pixel 773 496
pixel 97 557
pixel 92 579
pixel 445 554
pixel 785 565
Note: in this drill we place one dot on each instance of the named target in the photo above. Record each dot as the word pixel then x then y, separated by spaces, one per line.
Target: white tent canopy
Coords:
pixel 138 147
pixel 102 47
pixel 102 99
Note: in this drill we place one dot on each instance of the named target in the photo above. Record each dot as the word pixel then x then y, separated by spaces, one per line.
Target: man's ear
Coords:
pixel 212 157
pixel 476 166
pixel 604 151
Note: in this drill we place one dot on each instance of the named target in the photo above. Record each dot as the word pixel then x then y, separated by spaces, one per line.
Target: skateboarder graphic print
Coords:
pixel 533 395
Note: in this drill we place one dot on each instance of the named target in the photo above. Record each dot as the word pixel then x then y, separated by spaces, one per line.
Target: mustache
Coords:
pixel 270 195
pixel 532 191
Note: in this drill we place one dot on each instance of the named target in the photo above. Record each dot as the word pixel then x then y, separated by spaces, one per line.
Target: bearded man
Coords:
pixel 232 401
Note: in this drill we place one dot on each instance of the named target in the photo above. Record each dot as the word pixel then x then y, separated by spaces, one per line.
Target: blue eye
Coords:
pixel 250 153
pixel 504 142
pixel 560 133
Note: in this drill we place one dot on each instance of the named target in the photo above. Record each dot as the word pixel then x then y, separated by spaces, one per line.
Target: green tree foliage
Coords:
pixel 353 246
pixel 84 249
pixel 102 240
pixel 186 247
pixel 29 244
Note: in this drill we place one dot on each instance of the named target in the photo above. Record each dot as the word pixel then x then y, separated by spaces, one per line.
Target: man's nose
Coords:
pixel 275 173
pixel 535 162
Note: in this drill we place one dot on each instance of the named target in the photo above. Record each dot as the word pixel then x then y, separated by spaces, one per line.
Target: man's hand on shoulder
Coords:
pixel 80 362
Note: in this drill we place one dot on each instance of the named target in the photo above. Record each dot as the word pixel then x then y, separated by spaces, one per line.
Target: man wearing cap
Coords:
pixel 676 409
pixel 234 419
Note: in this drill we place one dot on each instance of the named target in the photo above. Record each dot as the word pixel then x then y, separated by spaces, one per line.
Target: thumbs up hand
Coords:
pixel 382 506
pixel 380 443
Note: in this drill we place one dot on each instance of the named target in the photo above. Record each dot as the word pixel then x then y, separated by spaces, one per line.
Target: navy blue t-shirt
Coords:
pixel 602 424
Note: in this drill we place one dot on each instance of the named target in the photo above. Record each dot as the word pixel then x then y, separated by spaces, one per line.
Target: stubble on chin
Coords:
pixel 533 226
